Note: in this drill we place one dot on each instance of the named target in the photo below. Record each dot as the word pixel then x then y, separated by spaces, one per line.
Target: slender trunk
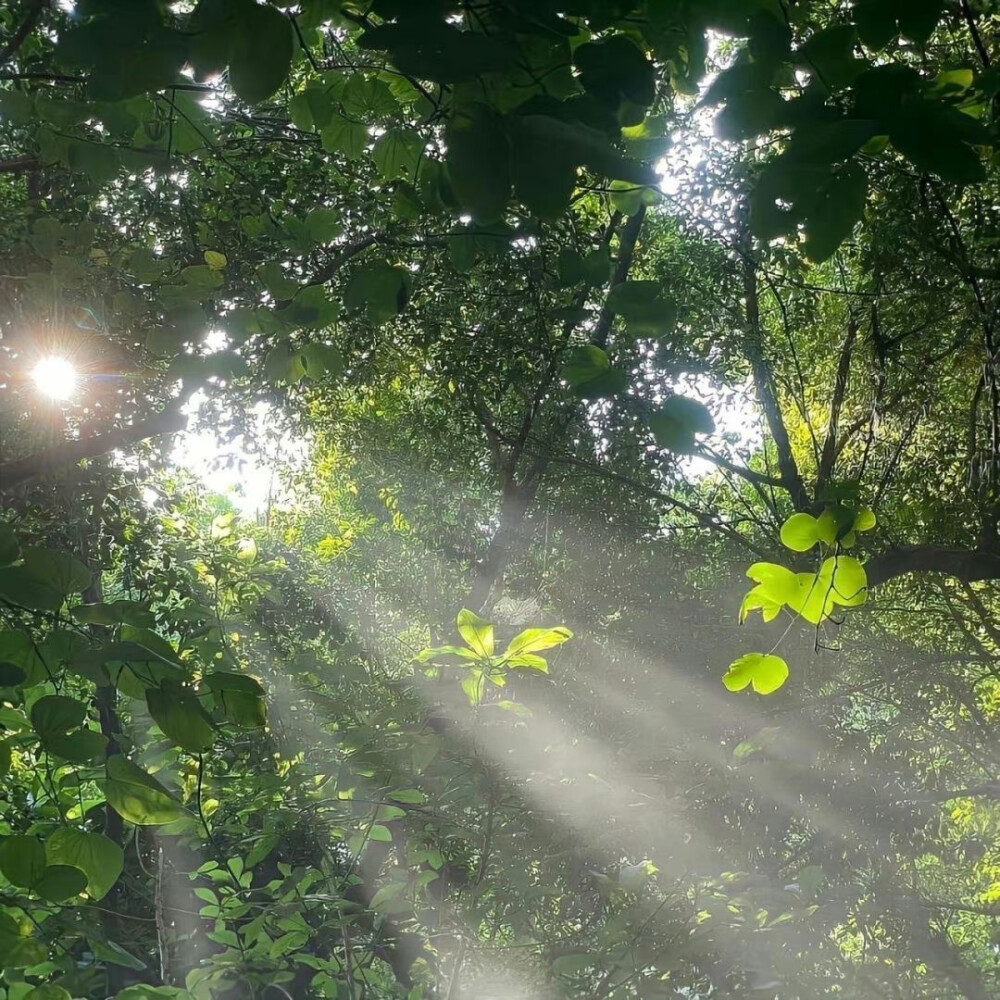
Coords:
pixel 763 379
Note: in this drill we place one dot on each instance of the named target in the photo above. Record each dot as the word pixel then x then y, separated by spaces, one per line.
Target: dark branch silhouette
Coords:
pixel 24 469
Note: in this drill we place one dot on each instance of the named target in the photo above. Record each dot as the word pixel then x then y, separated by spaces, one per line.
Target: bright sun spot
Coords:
pixel 55 377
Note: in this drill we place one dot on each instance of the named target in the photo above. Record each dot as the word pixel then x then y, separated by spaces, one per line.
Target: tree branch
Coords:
pixel 26 27
pixel 764 386
pixel 23 469
pixel 977 38
pixel 750 475
pixel 518 496
pixel 990 790
pixel 20 165
pixel 629 237
pixel 967 565
pixel 707 520
pixel 829 455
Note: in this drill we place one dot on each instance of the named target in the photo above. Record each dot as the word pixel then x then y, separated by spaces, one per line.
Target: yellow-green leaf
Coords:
pixel 800 532
pixel 534 640
pixel 476 632
pixel 764 671
pixel 137 796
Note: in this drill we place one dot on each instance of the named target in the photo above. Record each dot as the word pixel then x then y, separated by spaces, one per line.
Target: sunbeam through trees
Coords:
pixel 499 500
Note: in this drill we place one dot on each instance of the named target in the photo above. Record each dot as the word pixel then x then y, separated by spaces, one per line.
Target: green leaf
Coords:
pixel 22 860
pixel 919 18
pixel 5 758
pixel 572 965
pixel 11 674
pixel 527 661
pixel 479 163
pixel 477 633
pixel 940 140
pixel 201 276
pixel 776 587
pixel 800 532
pixel 80 747
pixel 59 570
pixel 17 648
pixel 132 667
pixel 398 151
pixel 587 147
pixel 380 834
pixel 619 75
pixel 589 373
pixel 865 520
pixel 848 581
pixel 544 175
pixel 321 359
pixel 215 260
pixel 99 858
pixel 388 892
pixel 9 546
pixel 876 21
pixel 17 107
pixel 810 880
pixel 766 672
pixel 678 421
pixel 841 580
pixel 534 640
pixel 835 523
pixel 829 56
pixel 18 949
pixel 59 882
pixel 367 98
pixel 116 613
pixel 647 313
pixel 261 53
pixel 408 796
pixel 628 198
pixel 137 796
pixel 429 49
pixel 141 991
pixel 20 588
pixel 474 684
pixel 180 716
pixel 275 281
pixel 55 714
pixel 832 215
pixel 284 364
pixel 323 224
pixel 585 363
pixel 344 136
pixel 380 289
pixel 47 991
pixel 238 698
pixel 110 951
pixel 826 202
pixel 99 162
pixel 262 849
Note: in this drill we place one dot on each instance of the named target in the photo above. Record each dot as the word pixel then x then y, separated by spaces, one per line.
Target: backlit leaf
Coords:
pixel 765 672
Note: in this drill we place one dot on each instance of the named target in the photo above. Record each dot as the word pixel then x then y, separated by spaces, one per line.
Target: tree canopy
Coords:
pixel 623 617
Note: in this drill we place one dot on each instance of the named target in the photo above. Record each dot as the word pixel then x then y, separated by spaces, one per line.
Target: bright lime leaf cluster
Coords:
pixel 837 525
pixel 841 580
pixel 484 664
pixel 764 671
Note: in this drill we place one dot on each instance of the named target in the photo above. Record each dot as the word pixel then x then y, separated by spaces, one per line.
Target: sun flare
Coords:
pixel 55 377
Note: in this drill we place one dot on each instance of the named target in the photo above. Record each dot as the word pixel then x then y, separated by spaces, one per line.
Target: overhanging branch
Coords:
pixel 967 565
pixel 31 18
pixel 764 387
pixel 14 473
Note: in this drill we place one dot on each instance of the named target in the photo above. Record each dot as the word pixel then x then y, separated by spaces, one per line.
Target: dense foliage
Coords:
pixel 623 620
